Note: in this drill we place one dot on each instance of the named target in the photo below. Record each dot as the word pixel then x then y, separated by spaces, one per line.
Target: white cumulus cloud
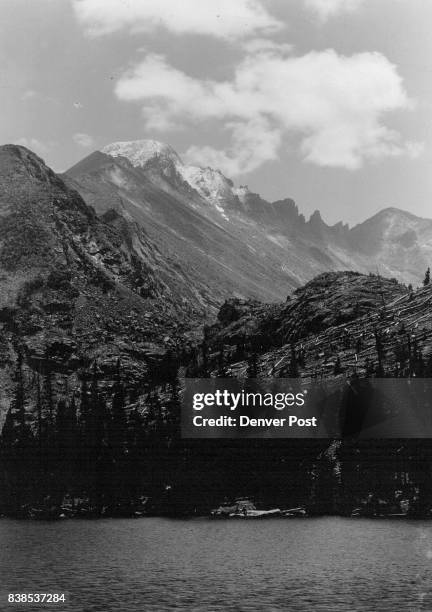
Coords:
pixel 331 8
pixel 221 18
pixel 83 140
pixel 253 143
pixel 333 104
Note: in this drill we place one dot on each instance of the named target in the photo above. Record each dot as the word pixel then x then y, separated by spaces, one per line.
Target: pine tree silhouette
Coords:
pixel 252 365
pixel 47 393
pixel 222 370
pixel 17 405
pixel 118 421
pixel 293 371
pixel 337 367
pixel 8 434
pixel 205 372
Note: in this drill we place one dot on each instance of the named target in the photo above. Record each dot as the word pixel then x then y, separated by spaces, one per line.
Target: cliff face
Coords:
pixel 76 287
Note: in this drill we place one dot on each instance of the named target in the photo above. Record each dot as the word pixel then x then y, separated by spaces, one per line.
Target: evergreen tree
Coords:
pixel 118 421
pixel 369 367
pixel 136 434
pixel 302 357
pixel 428 367
pixel 337 367
pixel 222 370
pixel 167 370
pixel 240 348
pixel 93 419
pixel 410 292
pixel 98 414
pixel 427 279
pixel 47 393
pixel 17 405
pixel 205 360
pixel 252 365
pixel 39 414
pixel 8 434
pixel 157 410
pixel 84 402
pixel 66 430
pixel 293 371
pixel 380 353
pixel 174 411
pixel 192 370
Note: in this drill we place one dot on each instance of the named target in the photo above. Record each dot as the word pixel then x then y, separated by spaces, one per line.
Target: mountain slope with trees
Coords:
pixel 77 288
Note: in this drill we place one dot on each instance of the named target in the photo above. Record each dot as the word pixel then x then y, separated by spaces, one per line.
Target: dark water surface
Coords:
pixel 153 564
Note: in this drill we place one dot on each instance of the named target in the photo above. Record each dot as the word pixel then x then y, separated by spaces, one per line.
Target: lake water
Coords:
pixel 154 564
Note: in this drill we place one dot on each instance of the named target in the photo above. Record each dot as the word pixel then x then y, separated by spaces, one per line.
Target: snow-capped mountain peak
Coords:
pixel 211 184
pixel 139 152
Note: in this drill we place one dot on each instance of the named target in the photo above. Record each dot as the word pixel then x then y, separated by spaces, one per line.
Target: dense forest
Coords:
pixel 93 453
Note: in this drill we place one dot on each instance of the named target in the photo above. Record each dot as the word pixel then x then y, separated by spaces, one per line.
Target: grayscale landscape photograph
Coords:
pixel 220 193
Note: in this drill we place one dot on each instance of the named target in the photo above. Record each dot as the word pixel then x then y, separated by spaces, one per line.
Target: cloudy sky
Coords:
pixel 325 101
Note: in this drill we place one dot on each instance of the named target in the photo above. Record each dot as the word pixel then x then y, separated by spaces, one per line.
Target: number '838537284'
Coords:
pixel 47 598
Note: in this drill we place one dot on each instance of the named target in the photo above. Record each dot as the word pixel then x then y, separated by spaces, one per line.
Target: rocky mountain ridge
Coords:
pixel 269 248
pixel 76 287
pixel 339 325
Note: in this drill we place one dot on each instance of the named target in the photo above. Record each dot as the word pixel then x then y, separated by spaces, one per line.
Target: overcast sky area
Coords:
pixel 325 101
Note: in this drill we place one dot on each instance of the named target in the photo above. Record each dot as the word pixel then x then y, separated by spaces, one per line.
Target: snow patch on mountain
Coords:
pixel 140 152
pixel 212 185
pixel 241 192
